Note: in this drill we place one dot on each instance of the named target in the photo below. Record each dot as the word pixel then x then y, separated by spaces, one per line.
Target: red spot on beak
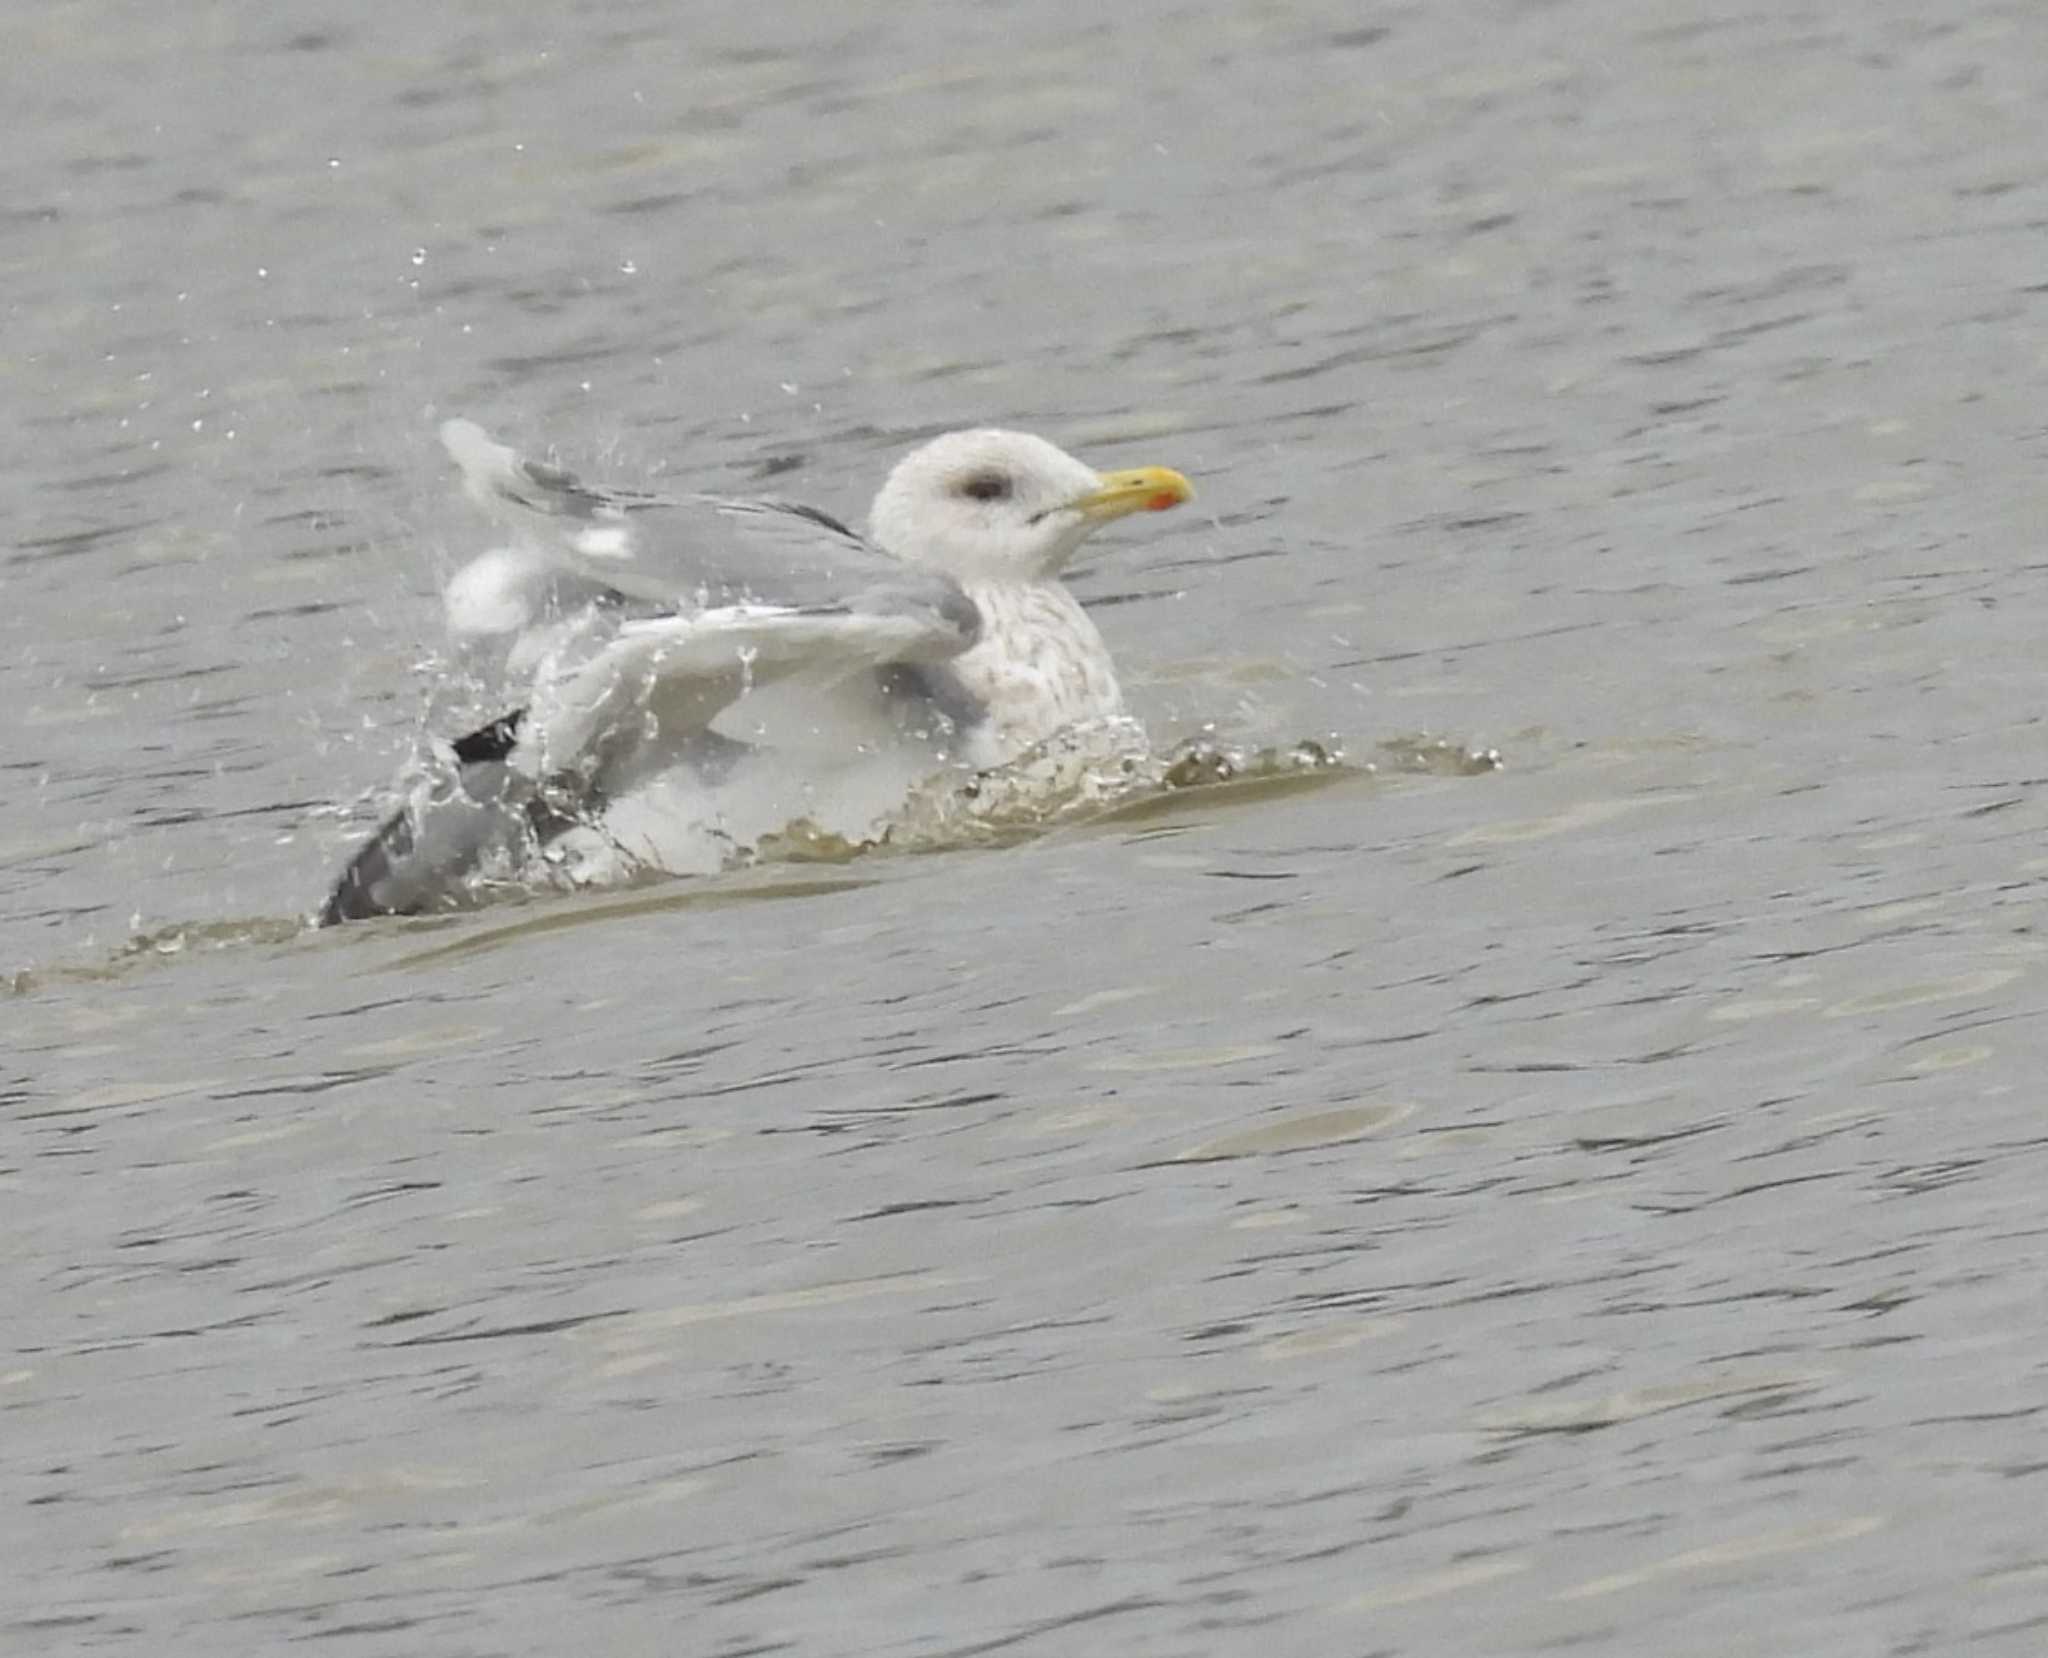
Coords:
pixel 1161 501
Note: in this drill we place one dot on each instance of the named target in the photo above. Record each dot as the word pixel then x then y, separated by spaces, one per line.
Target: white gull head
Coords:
pixel 992 506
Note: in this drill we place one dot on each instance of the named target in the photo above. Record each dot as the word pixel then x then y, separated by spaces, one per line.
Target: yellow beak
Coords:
pixel 1142 489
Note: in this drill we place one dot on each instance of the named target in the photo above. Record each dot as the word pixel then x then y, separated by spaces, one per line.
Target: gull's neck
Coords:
pixel 1039 666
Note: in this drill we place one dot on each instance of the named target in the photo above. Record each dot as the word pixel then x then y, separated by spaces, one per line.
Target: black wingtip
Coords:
pixel 491 742
pixel 378 879
pixel 354 896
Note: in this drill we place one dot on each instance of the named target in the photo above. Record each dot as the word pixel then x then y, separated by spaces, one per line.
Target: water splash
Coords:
pixel 1105 769
pixel 1106 775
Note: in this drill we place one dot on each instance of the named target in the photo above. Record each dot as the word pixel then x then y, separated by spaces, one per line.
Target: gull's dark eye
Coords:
pixel 986 486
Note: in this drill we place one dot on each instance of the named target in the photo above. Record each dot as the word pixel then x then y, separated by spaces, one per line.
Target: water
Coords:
pixel 1590 1203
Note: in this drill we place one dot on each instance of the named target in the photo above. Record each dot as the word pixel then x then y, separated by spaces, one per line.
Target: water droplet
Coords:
pixel 419 256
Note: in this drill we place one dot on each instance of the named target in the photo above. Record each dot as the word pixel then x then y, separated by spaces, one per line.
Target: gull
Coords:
pixel 671 642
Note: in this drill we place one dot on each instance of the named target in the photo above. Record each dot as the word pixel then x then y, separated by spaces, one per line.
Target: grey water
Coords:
pixel 1592 1204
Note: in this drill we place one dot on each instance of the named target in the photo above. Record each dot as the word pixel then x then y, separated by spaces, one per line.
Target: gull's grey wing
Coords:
pixel 690 553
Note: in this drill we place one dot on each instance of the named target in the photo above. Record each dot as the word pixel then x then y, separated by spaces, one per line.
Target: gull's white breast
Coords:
pixel 1040 664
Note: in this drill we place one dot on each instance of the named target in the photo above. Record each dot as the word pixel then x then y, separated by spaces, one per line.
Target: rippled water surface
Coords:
pixel 1406 1206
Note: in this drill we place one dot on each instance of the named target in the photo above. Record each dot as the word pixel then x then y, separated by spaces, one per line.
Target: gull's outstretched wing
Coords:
pixel 704 598
pixel 698 552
